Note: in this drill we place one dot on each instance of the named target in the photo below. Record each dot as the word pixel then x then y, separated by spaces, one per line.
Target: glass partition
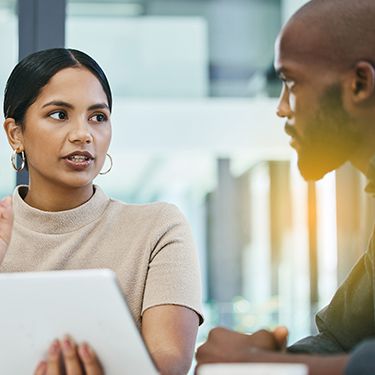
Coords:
pixel 9 48
pixel 194 124
pixel 193 86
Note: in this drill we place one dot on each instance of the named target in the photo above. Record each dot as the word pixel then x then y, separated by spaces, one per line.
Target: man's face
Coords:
pixel 321 130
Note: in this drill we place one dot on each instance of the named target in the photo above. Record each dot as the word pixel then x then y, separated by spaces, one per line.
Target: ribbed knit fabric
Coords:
pixel 150 247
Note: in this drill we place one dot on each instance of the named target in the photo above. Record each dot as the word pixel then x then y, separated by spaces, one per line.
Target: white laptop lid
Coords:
pixel 254 369
pixel 38 307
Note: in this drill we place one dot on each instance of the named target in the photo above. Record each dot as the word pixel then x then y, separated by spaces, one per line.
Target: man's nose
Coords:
pixel 283 108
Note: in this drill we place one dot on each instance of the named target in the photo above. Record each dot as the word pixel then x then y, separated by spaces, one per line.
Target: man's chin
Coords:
pixel 314 170
pixel 312 175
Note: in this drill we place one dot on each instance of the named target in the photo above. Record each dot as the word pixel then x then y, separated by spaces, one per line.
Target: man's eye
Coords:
pixel 289 84
pixel 58 115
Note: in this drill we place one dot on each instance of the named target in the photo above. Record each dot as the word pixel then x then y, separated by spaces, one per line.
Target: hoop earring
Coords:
pixel 110 168
pixel 13 160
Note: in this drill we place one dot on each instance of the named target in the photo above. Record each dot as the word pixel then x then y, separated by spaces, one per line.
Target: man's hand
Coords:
pixel 79 360
pixel 6 224
pixel 280 334
pixel 224 346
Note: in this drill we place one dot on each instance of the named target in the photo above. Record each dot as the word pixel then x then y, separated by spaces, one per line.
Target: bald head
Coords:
pixel 325 56
pixel 338 32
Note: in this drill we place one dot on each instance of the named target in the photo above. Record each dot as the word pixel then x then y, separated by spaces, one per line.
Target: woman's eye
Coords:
pixel 58 115
pixel 99 117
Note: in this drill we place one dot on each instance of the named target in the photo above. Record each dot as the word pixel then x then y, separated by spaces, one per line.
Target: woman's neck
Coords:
pixel 57 198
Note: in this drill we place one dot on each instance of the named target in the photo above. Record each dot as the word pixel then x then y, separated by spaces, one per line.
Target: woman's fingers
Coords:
pixel 89 360
pixel 79 360
pixel 53 361
pixel 71 360
pixel 41 369
pixel 6 224
pixel 52 365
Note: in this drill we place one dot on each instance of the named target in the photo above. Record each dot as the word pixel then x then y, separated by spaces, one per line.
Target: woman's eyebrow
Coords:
pixel 98 106
pixel 58 103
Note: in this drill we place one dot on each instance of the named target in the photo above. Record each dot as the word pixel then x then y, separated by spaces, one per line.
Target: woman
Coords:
pixel 57 108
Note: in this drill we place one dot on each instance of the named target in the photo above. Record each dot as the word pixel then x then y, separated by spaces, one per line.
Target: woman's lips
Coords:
pixel 79 160
pixel 78 165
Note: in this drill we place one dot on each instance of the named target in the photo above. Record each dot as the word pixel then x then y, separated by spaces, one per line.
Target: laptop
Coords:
pixel 254 369
pixel 38 307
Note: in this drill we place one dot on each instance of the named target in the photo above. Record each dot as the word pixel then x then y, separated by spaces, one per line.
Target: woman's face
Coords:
pixel 67 130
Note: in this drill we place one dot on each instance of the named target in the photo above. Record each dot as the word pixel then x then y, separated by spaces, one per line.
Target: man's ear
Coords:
pixel 362 81
pixel 14 134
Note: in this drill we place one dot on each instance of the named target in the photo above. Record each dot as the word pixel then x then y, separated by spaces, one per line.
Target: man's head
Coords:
pixel 325 55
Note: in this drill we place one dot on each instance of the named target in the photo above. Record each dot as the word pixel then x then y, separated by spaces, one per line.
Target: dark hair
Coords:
pixel 32 73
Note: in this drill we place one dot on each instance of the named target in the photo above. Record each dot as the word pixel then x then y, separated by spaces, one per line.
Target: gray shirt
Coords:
pixel 347 324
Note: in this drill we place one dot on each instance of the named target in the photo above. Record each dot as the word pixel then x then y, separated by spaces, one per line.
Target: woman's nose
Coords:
pixel 80 132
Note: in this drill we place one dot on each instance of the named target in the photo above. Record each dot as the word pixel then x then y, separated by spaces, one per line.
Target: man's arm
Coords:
pixel 362 359
pixel 343 326
pixel 349 318
pixel 225 346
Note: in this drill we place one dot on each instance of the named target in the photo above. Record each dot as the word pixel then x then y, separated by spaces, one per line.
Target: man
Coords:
pixel 325 56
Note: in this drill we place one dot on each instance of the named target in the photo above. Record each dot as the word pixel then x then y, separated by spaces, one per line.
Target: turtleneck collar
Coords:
pixel 58 222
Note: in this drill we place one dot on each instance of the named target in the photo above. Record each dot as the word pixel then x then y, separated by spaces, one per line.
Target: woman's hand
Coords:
pixel 66 358
pixel 6 224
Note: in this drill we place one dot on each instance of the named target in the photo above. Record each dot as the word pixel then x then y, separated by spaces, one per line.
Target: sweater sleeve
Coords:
pixel 349 318
pixel 173 276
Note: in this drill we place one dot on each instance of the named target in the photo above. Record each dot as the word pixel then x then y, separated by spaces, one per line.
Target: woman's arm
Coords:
pixel 6 224
pixel 170 332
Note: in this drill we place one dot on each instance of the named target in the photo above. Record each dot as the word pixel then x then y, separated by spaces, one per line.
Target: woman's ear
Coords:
pixel 362 81
pixel 14 134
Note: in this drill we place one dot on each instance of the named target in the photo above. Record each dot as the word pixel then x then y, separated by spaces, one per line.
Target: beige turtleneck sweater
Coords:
pixel 149 247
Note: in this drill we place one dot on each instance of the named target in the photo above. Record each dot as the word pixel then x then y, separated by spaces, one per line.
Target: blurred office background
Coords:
pixel 194 124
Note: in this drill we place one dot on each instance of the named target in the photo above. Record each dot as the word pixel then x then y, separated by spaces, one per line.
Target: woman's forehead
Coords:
pixel 74 82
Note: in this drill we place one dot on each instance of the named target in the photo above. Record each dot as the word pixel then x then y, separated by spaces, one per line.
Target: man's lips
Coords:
pixel 295 138
pixel 289 129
